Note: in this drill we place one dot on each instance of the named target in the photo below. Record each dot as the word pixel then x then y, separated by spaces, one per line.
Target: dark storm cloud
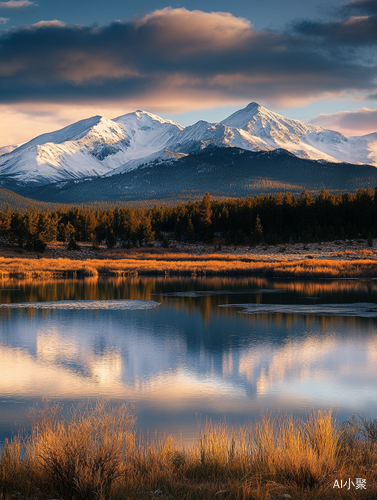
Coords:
pixel 175 52
pixel 357 7
pixel 353 31
pixel 357 25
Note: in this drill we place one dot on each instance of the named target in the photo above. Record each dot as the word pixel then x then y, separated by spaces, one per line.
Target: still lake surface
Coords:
pixel 187 350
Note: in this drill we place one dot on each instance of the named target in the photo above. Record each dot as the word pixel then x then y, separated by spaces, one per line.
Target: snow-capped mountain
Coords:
pixel 98 146
pixel 9 149
pixel 255 128
pixel 196 138
pixel 91 147
pixel 303 139
pixel 203 134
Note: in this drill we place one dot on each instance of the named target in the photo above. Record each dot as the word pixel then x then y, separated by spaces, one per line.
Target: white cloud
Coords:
pixel 53 22
pixel 358 122
pixel 4 20
pixel 16 4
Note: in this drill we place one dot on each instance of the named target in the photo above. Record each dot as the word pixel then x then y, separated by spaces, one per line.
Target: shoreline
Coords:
pixel 335 260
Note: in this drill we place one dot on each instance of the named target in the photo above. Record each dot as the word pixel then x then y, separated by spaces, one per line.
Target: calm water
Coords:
pixel 184 350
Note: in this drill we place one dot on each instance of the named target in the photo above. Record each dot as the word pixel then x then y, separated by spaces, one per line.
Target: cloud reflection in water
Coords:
pixel 176 363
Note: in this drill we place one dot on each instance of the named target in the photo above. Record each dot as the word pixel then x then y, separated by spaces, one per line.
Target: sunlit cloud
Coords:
pixel 174 55
pixel 54 22
pixel 16 4
pixel 193 31
pixel 358 122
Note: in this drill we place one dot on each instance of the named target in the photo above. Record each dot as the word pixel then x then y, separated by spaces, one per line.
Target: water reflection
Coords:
pixel 189 357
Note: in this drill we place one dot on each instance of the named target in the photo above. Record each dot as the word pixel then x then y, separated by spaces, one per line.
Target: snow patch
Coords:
pixel 360 309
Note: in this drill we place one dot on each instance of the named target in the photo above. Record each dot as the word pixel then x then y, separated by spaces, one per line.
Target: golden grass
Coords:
pixel 94 454
pixel 181 265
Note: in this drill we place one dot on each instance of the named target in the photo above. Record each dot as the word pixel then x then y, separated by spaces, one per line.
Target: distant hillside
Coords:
pixel 21 203
pixel 18 202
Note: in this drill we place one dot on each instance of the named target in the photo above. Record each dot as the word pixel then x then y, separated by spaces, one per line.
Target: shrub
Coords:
pixel 39 245
pixel 81 455
pixel 73 245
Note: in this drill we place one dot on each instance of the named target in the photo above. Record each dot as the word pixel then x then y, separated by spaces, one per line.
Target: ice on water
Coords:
pixel 359 309
pixel 117 305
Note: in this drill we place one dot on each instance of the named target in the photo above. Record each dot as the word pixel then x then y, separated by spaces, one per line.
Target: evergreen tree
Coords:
pixel 257 234
pixel 31 218
pixel 165 241
pixel 111 239
pixel 5 222
pixel 72 244
pixel 205 219
pixel 17 232
pixel 46 226
pixel 190 232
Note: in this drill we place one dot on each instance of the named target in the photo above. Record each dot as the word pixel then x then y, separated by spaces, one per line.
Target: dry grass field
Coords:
pixel 95 454
pixel 302 261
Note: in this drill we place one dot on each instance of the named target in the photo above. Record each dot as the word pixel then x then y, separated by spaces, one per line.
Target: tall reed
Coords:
pixel 79 455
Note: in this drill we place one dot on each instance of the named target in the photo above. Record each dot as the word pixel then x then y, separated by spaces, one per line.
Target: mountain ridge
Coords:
pixel 100 147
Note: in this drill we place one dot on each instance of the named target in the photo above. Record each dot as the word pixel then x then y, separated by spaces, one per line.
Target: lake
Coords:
pixel 187 350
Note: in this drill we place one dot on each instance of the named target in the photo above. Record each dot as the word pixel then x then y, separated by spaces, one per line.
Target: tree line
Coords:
pixel 272 219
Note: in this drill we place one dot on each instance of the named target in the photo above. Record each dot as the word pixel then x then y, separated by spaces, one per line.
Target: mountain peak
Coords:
pixel 251 106
pixel 244 116
pixel 139 115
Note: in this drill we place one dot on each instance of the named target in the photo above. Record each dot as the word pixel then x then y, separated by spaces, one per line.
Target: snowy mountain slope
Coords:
pixel 64 154
pixel 149 135
pixel 303 139
pixel 195 138
pixel 147 130
pixel 164 156
pixel 87 148
pixel 362 149
pixel 230 172
pixel 98 146
pixel 9 149
pixel 203 134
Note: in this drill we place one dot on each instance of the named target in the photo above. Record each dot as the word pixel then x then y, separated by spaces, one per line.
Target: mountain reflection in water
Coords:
pixel 188 359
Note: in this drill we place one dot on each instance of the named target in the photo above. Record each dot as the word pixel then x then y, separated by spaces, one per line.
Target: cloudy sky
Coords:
pixel 63 60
